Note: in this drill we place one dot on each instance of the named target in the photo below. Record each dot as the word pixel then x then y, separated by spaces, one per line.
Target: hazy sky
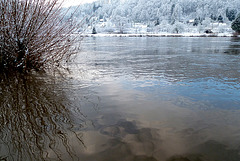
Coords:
pixel 68 3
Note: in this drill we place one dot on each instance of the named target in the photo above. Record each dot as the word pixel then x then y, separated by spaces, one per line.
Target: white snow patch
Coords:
pixel 160 35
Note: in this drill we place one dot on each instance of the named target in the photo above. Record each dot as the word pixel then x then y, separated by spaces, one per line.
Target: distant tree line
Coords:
pixel 145 11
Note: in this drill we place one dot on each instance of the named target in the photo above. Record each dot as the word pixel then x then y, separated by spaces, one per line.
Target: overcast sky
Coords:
pixel 68 3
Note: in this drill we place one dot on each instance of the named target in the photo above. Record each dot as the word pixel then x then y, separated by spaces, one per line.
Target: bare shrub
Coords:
pixel 33 34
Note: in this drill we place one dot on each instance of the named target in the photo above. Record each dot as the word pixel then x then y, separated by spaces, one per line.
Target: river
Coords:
pixel 145 98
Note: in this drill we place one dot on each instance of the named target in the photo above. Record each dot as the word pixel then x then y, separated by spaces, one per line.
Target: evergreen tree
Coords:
pixel 231 14
pixel 94 7
pixel 157 22
pixel 220 19
pixel 196 21
pixel 94 31
pixel 213 17
pixel 236 24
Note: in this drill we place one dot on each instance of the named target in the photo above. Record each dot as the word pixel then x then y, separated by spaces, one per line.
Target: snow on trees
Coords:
pixel 178 27
pixel 153 12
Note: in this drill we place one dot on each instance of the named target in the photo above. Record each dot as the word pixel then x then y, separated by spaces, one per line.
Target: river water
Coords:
pixel 165 99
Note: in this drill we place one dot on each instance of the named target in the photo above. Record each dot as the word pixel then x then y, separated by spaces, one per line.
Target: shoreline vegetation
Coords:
pixel 161 35
pixel 34 35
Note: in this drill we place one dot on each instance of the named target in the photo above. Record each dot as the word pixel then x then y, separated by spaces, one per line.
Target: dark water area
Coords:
pixel 128 99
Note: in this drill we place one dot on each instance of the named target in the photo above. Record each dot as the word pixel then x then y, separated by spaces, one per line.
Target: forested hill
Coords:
pixel 145 10
pixel 155 12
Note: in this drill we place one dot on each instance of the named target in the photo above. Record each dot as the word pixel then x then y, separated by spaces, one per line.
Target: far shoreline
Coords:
pixel 161 35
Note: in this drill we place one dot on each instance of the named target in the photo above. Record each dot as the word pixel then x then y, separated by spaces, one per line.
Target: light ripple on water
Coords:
pixel 134 99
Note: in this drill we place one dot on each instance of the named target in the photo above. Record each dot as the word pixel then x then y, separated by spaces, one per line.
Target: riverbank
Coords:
pixel 161 35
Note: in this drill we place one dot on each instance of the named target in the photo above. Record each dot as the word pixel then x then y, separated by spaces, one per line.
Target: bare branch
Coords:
pixel 33 34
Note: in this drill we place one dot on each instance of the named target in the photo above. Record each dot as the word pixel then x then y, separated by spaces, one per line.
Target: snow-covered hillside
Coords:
pixel 159 16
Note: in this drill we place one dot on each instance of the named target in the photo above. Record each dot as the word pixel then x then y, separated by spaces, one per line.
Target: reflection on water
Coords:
pixel 35 122
pixel 143 99
pixel 165 99
pixel 234 47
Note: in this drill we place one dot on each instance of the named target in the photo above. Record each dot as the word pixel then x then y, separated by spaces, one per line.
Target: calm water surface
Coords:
pixel 164 99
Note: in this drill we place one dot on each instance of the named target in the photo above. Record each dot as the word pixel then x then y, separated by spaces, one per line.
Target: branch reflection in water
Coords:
pixel 234 47
pixel 35 122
